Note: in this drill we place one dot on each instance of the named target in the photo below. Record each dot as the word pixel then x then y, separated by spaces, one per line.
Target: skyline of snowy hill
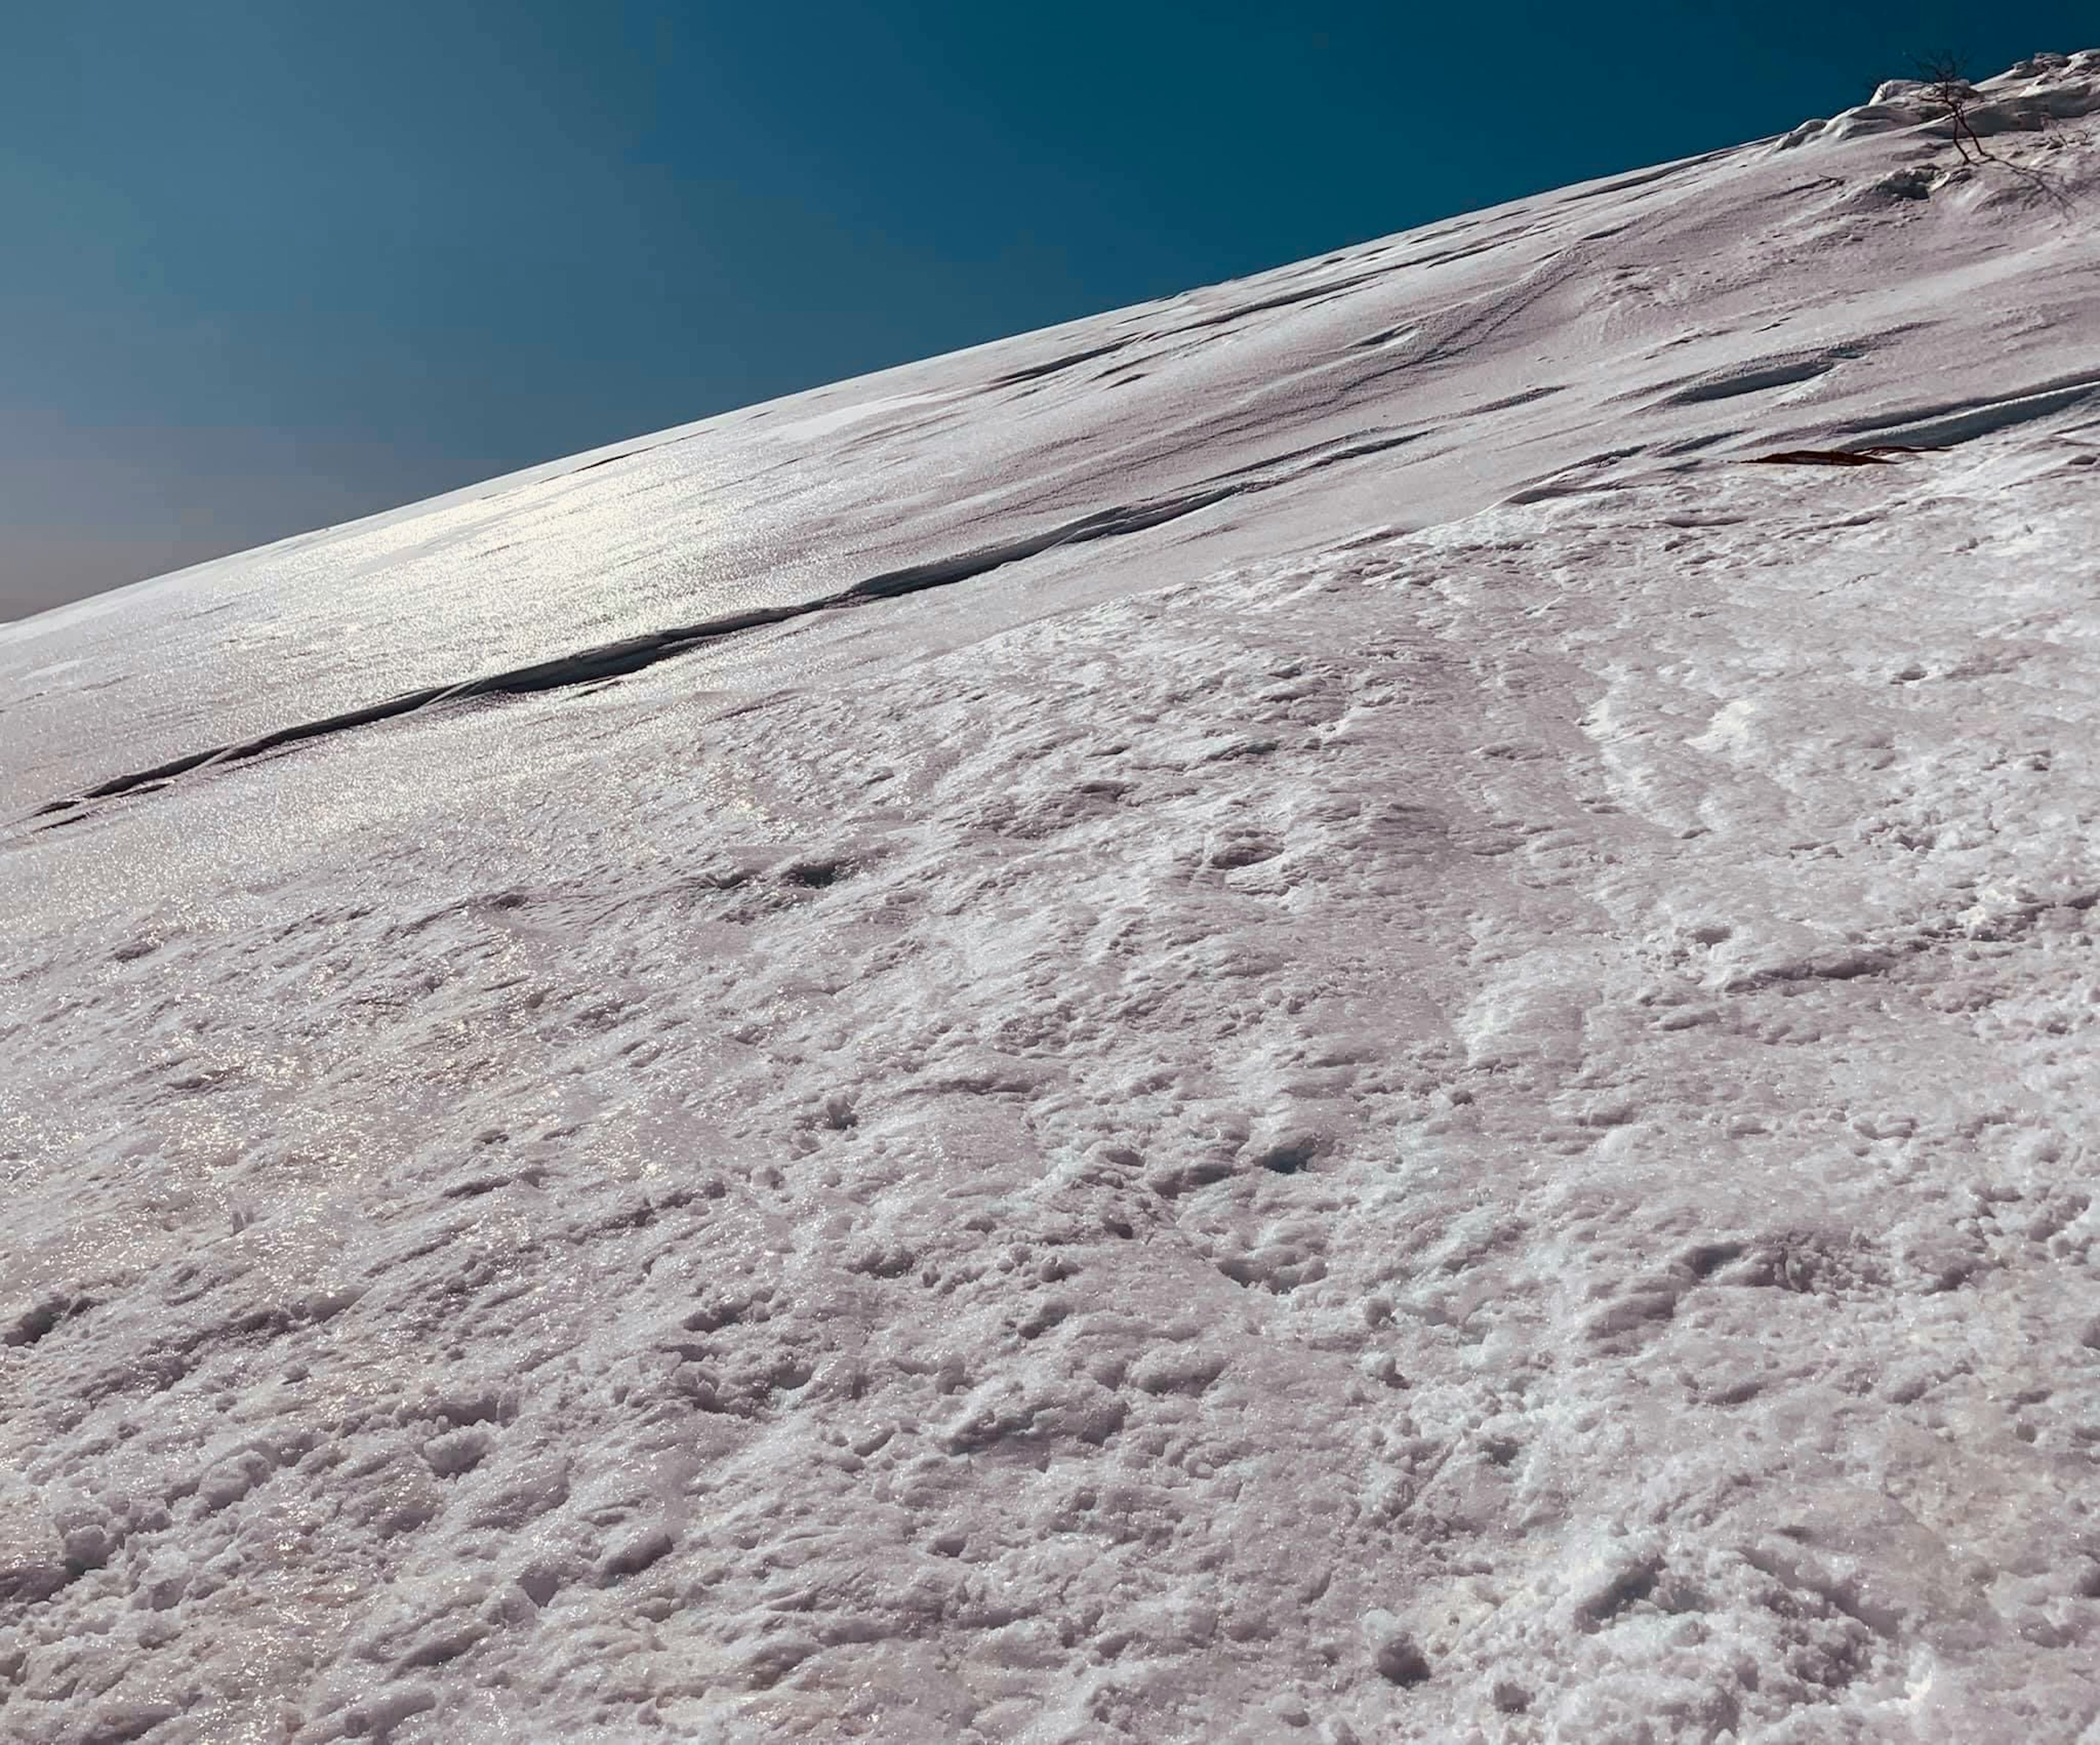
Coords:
pixel 1746 299
pixel 1289 1015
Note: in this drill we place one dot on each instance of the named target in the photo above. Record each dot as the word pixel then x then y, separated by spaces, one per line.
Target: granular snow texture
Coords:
pixel 1402 1057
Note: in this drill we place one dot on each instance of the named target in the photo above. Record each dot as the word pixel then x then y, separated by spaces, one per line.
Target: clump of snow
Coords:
pixel 2027 98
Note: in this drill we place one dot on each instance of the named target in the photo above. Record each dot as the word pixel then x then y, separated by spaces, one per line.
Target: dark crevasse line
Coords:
pixel 1944 426
pixel 1054 366
pixel 614 660
pixel 1751 378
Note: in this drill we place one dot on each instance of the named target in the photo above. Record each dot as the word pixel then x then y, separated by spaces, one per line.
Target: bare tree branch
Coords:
pixel 1948 89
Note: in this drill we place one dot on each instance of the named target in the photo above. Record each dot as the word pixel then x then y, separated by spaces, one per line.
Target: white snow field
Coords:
pixel 1280 1017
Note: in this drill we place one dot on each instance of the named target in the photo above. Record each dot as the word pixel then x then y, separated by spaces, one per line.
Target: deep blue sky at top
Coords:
pixel 266 264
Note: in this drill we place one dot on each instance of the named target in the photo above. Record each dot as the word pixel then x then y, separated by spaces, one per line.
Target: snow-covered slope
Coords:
pixel 1277 1017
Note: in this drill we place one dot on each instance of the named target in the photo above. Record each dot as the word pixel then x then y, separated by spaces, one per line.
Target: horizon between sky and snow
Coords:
pixel 270 271
pixel 1292 1014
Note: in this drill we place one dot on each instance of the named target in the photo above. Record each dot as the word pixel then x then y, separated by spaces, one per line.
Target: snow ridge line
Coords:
pixel 614 660
pixel 1944 426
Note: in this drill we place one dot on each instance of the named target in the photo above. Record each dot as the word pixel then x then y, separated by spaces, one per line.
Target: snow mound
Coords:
pixel 2026 98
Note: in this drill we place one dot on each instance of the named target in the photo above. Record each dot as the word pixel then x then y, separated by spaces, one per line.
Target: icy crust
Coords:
pixel 2025 99
pixel 1481 1135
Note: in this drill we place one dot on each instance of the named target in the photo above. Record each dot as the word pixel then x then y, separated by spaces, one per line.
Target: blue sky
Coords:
pixel 268 264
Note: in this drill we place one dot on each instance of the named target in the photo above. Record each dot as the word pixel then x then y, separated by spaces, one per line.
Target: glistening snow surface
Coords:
pixel 1352 1041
